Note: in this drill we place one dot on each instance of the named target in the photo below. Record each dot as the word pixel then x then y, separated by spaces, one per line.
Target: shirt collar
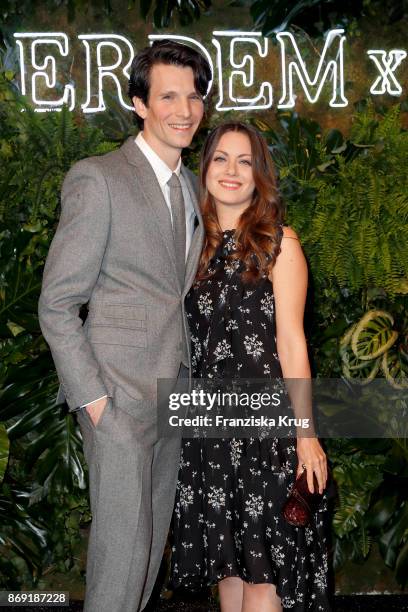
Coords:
pixel 161 169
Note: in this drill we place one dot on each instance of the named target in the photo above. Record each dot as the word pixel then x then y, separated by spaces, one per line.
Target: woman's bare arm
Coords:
pixel 289 279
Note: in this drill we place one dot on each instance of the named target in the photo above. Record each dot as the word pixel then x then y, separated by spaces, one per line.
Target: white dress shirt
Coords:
pixel 163 175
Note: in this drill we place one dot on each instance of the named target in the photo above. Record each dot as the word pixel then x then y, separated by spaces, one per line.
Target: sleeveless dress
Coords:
pixel 227 518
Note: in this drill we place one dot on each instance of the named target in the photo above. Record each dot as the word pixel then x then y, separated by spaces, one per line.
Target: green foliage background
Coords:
pixel 347 198
pixel 44 486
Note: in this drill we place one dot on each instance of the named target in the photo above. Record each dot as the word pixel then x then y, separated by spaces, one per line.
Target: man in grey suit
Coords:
pixel 128 244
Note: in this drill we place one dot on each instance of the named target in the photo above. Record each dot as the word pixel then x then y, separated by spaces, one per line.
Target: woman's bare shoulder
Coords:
pixel 288 232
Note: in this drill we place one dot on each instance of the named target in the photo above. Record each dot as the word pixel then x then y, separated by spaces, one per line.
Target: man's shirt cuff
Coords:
pixel 93 401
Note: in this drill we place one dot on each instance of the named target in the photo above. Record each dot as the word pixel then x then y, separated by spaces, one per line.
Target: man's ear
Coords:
pixel 140 107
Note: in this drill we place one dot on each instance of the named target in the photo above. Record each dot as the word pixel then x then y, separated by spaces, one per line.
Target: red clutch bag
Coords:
pixel 301 504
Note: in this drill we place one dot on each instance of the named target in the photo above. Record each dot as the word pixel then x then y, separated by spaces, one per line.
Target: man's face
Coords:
pixel 173 112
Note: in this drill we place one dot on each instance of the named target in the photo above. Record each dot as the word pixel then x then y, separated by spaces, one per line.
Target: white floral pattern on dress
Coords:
pixel 205 304
pixel 232 525
pixel 186 496
pixel 236 451
pixel 267 305
pixel 254 506
pixel 278 555
pixel 253 346
pixel 222 350
pixel 216 497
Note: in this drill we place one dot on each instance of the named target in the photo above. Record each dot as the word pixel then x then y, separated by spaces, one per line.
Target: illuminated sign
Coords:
pixel 298 66
pixel 46 71
pixel 227 100
pixel 108 58
pixel 94 47
pixel 386 82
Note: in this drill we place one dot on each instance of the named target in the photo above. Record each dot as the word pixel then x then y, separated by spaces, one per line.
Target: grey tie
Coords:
pixel 179 224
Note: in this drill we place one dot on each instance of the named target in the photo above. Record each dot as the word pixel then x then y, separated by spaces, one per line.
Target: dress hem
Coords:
pixel 214 580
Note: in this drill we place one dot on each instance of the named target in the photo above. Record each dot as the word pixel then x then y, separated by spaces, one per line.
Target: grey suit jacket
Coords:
pixel 113 249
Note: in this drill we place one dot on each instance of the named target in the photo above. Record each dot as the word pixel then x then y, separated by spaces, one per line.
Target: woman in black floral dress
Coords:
pixel 227 524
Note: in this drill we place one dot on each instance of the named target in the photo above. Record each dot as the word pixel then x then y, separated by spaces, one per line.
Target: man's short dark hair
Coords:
pixel 166 52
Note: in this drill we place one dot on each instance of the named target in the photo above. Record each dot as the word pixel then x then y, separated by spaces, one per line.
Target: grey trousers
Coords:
pixel 132 484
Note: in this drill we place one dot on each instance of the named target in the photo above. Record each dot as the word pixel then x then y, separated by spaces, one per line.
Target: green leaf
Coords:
pixel 401 566
pixel 20 533
pixel 373 335
pixel 4 450
pixel 394 364
pixel 14 328
pixel 365 541
pixel 357 371
pixel 396 460
pixel 390 542
pixel 349 515
pixel 381 512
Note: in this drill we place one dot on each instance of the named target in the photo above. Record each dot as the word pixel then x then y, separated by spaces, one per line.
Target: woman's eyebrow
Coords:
pixel 225 153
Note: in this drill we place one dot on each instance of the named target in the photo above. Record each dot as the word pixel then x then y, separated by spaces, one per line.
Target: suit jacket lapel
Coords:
pixel 146 181
pixel 197 239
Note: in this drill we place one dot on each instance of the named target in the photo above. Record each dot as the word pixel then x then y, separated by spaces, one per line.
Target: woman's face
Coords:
pixel 229 177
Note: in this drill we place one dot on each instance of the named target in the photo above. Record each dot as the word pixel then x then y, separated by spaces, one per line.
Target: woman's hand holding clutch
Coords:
pixel 310 483
pixel 312 457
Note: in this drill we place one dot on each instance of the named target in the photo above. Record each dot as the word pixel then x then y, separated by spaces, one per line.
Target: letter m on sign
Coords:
pixel 327 69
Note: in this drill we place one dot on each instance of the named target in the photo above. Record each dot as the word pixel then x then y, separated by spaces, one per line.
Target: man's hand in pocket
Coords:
pixel 96 409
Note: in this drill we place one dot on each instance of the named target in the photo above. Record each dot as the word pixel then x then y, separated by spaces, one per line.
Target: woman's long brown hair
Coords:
pixel 258 229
